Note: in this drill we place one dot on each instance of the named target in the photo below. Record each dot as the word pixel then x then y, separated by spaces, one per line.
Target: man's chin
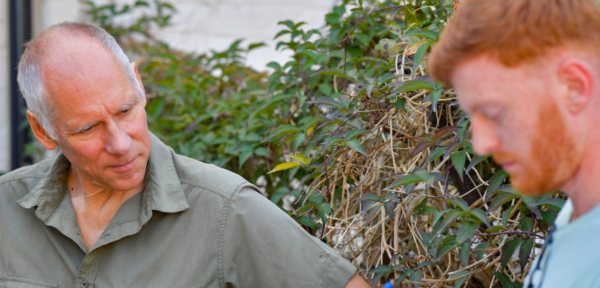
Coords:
pixel 125 184
pixel 530 186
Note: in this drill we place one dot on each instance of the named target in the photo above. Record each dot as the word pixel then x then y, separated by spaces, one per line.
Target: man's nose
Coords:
pixel 485 140
pixel 118 141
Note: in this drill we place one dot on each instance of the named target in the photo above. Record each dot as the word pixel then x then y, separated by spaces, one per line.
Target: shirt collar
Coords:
pixel 162 188
pixel 564 216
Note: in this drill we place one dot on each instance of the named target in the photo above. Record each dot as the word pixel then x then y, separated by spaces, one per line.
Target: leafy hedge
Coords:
pixel 352 138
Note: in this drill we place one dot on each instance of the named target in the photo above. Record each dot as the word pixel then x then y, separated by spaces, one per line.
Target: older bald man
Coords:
pixel 118 208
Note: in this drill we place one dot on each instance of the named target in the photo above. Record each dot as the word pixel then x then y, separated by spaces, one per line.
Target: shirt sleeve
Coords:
pixel 263 247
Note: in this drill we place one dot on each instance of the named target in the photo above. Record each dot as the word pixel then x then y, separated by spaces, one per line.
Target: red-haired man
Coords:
pixel 528 73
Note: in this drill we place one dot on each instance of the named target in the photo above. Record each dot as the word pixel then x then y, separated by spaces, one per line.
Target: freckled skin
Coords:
pixel 516 117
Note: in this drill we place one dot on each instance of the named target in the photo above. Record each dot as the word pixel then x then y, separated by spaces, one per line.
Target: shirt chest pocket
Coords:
pixel 15 282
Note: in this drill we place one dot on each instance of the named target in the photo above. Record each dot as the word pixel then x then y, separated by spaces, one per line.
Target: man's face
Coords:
pixel 100 118
pixel 515 117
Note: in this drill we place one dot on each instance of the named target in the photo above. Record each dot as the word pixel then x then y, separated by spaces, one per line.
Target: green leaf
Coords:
pixel 300 158
pixel 447 244
pixel 461 276
pixel 355 145
pixel 549 217
pixel 479 214
pixel 508 250
pixel 305 46
pixel 530 202
pixel 415 85
pixel 353 133
pixel 274 65
pixel 325 88
pixel 525 252
pixel 282 130
pixel 450 217
pixel 474 161
pixel 324 210
pixel 480 249
pixel 503 278
pixel 416 277
pixel 333 72
pixel 437 153
pixel 419 56
pixel 298 139
pixel 525 223
pixel 404 180
pixel 308 222
pixel 458 202
pixel 395 29
pixel 500 199
pixel 425 263
pixel 466 231
pixel 423 33
pixel 312 122
pixel 385 49
pixel 555 202
pixel 497 180
pixel 244 157
pixel 326 101
pixel 284 166
pixel 435 97
pixel 505 215
pixel 400 103
pixel 458 160
pixel 332 141
pixel 464 253
pixel 261 151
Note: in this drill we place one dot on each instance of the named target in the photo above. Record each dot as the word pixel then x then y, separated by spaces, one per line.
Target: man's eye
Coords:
pixel 125 111
pixel 493 114
pixel 88 129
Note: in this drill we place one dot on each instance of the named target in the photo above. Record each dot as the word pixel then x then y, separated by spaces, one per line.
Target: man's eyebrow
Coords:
pixel 125 106
pixel 129 104
pixel 82 128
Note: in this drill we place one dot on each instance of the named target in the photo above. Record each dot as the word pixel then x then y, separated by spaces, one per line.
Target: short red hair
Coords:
pixel 514 31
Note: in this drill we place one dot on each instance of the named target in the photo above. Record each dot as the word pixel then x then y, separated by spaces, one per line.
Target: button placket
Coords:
pixel 87 270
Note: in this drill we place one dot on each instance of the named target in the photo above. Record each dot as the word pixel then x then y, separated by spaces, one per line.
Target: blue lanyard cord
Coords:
pixel 538 267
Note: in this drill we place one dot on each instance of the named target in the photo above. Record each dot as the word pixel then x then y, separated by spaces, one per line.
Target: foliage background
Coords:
pixel 351 137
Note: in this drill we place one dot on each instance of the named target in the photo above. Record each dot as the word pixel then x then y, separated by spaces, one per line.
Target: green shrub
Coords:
pixel 369 153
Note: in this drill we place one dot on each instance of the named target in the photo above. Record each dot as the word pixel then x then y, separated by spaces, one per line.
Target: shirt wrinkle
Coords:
pixel 230 237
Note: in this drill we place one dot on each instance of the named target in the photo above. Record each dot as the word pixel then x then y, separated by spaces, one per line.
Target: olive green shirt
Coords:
pixel 193 225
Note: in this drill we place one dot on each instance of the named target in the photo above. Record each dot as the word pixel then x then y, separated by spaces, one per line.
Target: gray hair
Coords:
pixel 30 77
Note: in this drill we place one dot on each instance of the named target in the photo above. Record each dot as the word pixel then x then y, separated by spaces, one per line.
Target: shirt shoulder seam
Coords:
pixel 222 226
pixel 227 194
pixel 21 177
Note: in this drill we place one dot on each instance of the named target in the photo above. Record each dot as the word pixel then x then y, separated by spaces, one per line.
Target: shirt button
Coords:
pixel 84 284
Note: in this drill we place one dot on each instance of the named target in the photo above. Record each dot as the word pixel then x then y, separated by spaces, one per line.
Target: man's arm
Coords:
pixel 357 282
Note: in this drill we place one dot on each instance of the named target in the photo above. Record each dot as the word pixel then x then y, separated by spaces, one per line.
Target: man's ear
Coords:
pixel 40 133
pixel 139 80
pixel 579 81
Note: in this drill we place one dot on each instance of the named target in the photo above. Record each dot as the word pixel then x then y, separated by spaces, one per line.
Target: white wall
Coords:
pixel 4 88
pixel 202 25
pixel 199 26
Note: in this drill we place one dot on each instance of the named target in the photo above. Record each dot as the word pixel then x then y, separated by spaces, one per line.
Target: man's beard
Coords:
pixel 553 157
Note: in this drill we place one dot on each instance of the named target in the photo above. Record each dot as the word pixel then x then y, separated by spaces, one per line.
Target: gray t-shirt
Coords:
pixel 194 225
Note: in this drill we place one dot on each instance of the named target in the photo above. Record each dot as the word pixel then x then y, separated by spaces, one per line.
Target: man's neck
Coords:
pixel 583 189
pixel 94 204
